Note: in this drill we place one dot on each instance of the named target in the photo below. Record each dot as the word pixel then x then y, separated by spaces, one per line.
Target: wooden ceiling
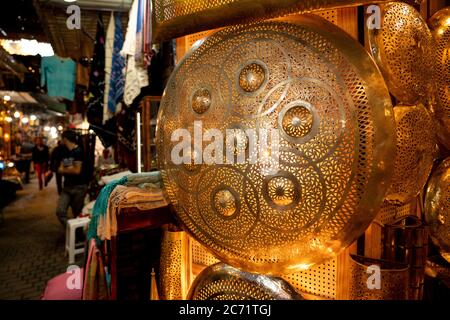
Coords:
pixel 77 43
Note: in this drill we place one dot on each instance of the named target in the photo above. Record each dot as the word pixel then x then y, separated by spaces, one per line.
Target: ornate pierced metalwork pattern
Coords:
pixel 416 146
pixel 297 122
pixel 201 255
pixel 320 280
pixel 252 77
pixel 173 264
pixel 223 282
pixel 201 101
pixel 330 15
pixel 175 18
pixel 332 176
pixel 394 280
pixel 403 49
pixel 390 213
pixel 440 24
pixel 437 207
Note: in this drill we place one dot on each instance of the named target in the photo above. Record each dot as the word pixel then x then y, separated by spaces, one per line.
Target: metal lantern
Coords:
pixel 174 265
pixel 303 199
pixel 173 19
pixel 364 285
pixel 440 24
pixel 223 282
pixel 437 207
pixel 416 147
pixel 403 49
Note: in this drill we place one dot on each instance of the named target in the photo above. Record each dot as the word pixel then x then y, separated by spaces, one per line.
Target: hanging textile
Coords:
pixel 136 76
pixel 59 75
pixel 109 47
pixel 148 52
pixel 95 283
pixel 117 81
pixel 138 55
pixel 100 207
pixel 143 52
pixel 97 78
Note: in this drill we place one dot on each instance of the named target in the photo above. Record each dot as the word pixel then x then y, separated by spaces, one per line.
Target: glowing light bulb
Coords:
pixel 17 114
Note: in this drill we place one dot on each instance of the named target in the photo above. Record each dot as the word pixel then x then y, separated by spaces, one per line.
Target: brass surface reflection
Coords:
pixel 403 49
pixel 223 282
pixel 437 207
pixel 416 146
pixel 440 24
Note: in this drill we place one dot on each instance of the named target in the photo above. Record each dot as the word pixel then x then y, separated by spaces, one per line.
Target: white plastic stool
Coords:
pixel 71 227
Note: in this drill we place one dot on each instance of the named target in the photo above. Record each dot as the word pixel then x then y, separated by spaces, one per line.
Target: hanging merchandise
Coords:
pixel 147 33
pixel 59 75
pixel 140 32
pixel 97 76
pixel 109 47
pixel 117 80
pixel 97 84
pixel 136 76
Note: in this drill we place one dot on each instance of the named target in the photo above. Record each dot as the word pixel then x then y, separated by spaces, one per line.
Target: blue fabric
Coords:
pixel 101 205
pixel 59 75
pixel 117 82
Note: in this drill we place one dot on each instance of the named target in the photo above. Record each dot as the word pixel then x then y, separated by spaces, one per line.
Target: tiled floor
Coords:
pixel 31 243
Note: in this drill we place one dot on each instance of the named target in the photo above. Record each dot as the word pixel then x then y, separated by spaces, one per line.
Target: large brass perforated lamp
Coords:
pixel 323 94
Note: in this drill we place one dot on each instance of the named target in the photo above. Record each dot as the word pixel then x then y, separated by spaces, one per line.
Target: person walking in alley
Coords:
pixel 40 157
pixel 56 158
pixel 75 184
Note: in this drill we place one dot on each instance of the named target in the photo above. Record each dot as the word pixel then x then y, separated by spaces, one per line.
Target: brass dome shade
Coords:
pixel 403 49
pixel 223 282
pixel 440 25
pixel 173 19
pixel 320 90
pixel 416 147
pixel 437 207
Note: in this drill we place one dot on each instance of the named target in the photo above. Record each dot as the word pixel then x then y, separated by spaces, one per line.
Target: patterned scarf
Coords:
pixel 117 82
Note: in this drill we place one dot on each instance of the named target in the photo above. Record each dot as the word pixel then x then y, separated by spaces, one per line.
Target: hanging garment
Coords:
pixel 109 47
pixel 97 82
pixel 95 284
pixel 97 77
pixel 138 54
pixel 59 74
pixel 148 33
pixel 117 81
pixel 136 76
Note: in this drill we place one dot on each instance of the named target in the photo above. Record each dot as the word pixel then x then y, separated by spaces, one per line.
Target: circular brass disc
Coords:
pixel 223 282
pixel 416 146
pixel 437 207
pixel 403 49
pixel 440 24
pixel 327 100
